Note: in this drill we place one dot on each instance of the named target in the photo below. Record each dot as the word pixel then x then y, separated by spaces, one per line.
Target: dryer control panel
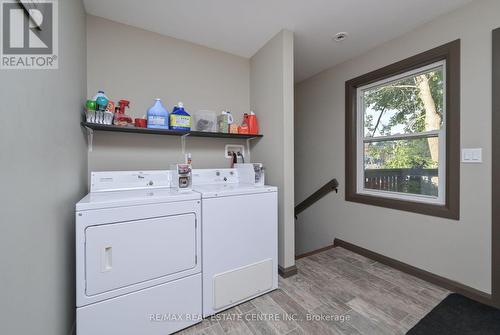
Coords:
pixel 215 176
pixel 129 180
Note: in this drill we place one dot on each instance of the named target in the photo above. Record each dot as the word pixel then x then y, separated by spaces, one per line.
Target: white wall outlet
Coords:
pixel 234 148
pixel 472 155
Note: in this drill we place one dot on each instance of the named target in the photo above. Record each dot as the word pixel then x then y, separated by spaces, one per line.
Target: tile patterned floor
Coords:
pixel 335 292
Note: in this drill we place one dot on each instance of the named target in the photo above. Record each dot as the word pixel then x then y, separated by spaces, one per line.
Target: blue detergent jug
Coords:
pixel 179 118
pixel 157 116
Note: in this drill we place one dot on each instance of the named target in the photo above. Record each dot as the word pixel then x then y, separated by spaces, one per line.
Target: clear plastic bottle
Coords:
pixel 100 94
pixel 101 100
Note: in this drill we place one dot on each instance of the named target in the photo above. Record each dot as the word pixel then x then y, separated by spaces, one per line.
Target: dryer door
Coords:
pixel 122 254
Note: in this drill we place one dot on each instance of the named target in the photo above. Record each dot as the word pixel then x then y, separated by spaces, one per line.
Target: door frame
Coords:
pixel 495 184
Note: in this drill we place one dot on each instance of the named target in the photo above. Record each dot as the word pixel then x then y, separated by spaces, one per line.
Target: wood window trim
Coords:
pixel 451 208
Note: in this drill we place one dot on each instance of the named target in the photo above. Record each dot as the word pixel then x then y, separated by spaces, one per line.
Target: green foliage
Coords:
pixel 403 100
pixel 413 155
pixel 403 154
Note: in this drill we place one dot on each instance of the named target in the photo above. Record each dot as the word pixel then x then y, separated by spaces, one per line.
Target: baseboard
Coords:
pixel 419 273
pixel 314 252
pixel 287 272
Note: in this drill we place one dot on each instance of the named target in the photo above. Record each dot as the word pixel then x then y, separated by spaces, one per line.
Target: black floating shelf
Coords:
pixel 103 127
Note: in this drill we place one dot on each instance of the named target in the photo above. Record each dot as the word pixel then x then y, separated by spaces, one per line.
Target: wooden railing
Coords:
pixel 331 186
pixel 419 181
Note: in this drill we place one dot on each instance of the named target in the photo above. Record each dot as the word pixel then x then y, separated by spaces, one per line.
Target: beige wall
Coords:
pixel 131 63
pixel 459 250
pixel 138 65
pixel 271 96
pixel 43 163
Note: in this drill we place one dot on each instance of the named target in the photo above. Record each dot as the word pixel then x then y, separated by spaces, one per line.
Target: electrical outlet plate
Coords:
pixel 234 148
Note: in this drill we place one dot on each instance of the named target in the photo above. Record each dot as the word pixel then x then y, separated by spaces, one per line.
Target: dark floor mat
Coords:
pixel 458 315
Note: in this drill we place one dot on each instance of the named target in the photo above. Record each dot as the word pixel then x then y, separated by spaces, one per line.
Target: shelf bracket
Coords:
pixel 183 143
pixel 90 138
pixel 249 157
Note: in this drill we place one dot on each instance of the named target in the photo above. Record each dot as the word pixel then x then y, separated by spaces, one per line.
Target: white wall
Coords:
pixel 138 65
pixel 458 250
pixel 43 164
pixel 271 96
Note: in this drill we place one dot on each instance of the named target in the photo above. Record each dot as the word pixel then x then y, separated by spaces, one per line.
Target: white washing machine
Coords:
pixel 138 256
pixel 240 238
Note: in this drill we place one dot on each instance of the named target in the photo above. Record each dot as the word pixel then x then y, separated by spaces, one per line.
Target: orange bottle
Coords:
pixel 253 124
pixel 243 129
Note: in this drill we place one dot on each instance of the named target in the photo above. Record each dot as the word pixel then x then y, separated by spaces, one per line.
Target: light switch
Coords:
pixel 472 155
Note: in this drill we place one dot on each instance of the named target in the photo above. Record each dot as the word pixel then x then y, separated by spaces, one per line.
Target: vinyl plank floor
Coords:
pixel 336 292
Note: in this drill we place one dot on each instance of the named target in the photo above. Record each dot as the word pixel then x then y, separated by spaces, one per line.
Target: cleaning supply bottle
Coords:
pixel 230 119
pixel 101 100
pixel 100 94
pixel 243 129
pixel 122 119
pixel 253 124
pixel 157 116
pixel 179 118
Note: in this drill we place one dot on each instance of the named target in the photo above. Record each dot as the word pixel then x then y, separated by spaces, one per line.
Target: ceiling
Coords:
pixel 242 27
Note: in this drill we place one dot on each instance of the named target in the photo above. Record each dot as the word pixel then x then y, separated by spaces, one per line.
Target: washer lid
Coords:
pixel 224 190
pixel 98 200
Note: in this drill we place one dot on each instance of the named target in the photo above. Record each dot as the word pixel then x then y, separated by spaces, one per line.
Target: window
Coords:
pixel 402 134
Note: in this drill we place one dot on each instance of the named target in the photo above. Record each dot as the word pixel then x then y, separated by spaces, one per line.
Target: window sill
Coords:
pixel 443 211
pixel 407 197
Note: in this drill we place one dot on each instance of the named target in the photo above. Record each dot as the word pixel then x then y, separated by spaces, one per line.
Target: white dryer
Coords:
pixel 240 238
pixel 138 256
